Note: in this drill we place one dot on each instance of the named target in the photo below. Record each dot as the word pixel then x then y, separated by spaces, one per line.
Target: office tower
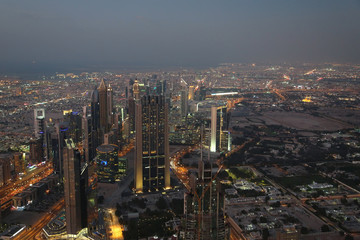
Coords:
pixel 109 167
pixel 19 162
pixel 36 151
pixel 184 103
pixel 95 110
pixel 86 135
pixel 80 193
pixel 191 92
pixel 131 113
pixel 204 207
pixel 110 105
pixel 103 108
pixel 74 122
pixel 39 122
pixel 72 187
pixel 39 126
pixel 136 90
pixel 5 170
pixel 219 125
pixel 161 87
pixel 152 167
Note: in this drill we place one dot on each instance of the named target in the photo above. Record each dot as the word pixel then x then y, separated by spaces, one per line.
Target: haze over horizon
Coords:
pixel 40 36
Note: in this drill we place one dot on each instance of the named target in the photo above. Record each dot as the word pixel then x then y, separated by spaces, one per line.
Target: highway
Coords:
pixel 10 190
pixel 35 230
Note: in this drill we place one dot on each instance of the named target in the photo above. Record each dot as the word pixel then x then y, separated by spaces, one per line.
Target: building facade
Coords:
pixel 219 134
pixel 152 167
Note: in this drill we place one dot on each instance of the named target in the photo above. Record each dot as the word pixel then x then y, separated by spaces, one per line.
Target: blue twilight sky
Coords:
pixel 40 34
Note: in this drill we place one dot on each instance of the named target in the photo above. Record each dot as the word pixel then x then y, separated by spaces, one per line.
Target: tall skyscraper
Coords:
pixel 39 122
pixel 110 106
pixel 86 135
pixel 95 110
pixel 107 162
pixel 39 126
pixel 103 108
pixel 184 103
pixel 191 92
pixel 219 125
pixel 72 187
pixel 80 191
pixel 152 167
pixel 204 207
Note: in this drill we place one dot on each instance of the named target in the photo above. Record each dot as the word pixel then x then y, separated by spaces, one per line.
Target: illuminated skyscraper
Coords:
pixel 103 107
pixel 95 110
pixel 152 167
pixel 184 103
pixel 39 126
pixel 72 187
pixel 204 207
pixel 110 105
pixel 79 190
pixel 107 162
pixel 39 122
pixel 191 92
pixel 219 125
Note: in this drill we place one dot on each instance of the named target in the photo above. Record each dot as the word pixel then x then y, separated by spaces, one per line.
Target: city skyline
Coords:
pixel 42 36
pixel 180 120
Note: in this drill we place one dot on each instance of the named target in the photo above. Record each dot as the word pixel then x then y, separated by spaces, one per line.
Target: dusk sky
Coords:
pixel 41 34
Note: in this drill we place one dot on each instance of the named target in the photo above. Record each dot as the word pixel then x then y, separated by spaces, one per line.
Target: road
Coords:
pixel 35 230
pixel 10 190
pixel 115 229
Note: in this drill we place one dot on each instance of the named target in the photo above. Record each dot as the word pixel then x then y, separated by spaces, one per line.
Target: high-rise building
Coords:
pixel 95 110
pixel 184 103
pixel 86 135
pixel 191 92
pixel 110 105
pixel 204 207
pixel 39 122
pixel 152 167
pixel 220 136
pixel 39 126
pixel 72 187
pixel 80 191
pixel 107 162
pixel 5 170
pixel 103 108
pixel 36 151
pixel 19 162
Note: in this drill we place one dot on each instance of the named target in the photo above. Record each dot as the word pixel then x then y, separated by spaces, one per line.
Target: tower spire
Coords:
pixel 102 85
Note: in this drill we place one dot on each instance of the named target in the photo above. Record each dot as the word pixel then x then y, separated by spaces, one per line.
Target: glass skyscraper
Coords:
pixel 152 167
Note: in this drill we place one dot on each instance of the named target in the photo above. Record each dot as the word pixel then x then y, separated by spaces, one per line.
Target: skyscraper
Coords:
pixel 110 106
pixel 152 167
pixel 80 191
pixel 39 126
pixel 72 187
pixel 204 207
pixel 39 122
pixel 107 162
pixel 219 125
pixel 191 92
pixel 184 103
pixel 103 108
